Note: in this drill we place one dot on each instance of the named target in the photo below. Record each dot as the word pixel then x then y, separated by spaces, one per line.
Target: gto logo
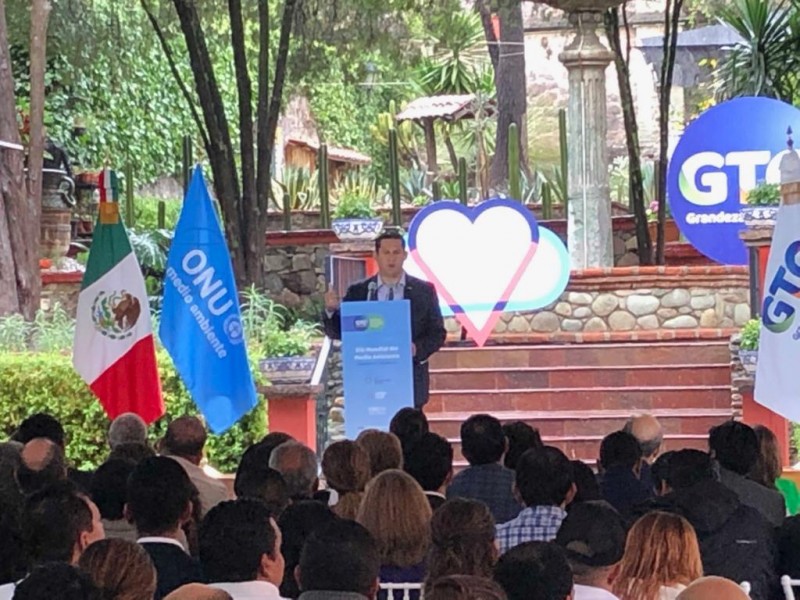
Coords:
pixel 778 311
pixel 703 182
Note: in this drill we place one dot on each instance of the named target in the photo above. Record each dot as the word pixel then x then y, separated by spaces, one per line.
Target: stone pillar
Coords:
pixel 589 219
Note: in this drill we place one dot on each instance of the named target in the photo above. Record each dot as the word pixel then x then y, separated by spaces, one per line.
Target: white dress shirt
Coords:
pixel 585 592
pixel 7 591
pixel 250 590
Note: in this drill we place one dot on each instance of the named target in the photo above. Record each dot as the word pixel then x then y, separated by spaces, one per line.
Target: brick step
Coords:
pixel 557 355
pixel 584 398
pixel 580 376
pixel 562 424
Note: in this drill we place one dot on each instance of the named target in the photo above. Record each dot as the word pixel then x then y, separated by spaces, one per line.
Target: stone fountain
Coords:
pixel 586 60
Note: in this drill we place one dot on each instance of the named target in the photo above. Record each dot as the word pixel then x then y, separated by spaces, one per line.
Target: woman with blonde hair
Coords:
pixel 121 569
pixel 346 468
pixel 662 557
pixel 384 450
pixel 397 513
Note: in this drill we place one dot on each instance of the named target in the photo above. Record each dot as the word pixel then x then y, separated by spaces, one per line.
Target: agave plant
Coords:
pixel 300 186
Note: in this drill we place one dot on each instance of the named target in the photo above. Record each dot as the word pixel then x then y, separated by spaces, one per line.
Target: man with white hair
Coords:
pixel 298 465
pixel 128 428
pixel 648 432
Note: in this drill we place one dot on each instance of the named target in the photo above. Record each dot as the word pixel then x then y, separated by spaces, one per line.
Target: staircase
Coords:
pixel 575 394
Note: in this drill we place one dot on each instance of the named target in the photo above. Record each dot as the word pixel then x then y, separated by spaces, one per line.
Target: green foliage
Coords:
pixel 50 331
pixel 271 331
pixel 750 333
pixel 145 213
pixel 355 196
pixel 300 185
pixel 765 194
pixel 47 382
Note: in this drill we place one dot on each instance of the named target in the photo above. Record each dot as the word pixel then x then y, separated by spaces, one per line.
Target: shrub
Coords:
pixel 47 382
pixel 750 333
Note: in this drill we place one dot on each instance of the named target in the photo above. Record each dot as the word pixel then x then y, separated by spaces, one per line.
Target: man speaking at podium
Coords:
pixel 392 283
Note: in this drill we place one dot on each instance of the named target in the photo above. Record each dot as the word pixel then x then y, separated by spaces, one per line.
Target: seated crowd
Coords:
pixel 387 516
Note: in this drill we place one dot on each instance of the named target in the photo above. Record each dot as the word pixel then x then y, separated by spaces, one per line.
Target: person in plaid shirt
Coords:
pixel 545 483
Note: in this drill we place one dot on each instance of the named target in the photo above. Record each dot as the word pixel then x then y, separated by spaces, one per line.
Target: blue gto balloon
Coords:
pixel 723 155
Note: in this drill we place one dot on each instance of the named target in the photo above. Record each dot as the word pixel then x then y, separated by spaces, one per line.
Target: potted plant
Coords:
pixel 748 346
pixel 762 205
pixel 283 348
pixel 671 231
pixel 354 217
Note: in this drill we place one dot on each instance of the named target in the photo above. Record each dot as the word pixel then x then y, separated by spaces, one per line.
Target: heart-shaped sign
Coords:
pixel 479 257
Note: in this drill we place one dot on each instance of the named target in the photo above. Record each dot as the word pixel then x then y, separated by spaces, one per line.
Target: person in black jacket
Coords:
pixel 736 541
pixel 392 283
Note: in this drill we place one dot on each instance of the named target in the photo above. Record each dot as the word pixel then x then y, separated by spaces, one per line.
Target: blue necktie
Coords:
pixel 391 293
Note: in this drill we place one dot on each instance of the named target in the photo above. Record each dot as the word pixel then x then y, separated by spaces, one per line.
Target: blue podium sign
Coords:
pixel 376 361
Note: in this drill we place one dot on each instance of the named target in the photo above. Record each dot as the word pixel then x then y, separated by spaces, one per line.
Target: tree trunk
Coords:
pixel 482 6
pixel 510 83
pixel 451 150
pixel 430 148
pixel 672 15
pixel 635 183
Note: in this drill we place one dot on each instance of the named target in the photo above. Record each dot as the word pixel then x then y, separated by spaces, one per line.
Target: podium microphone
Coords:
pixel 371 289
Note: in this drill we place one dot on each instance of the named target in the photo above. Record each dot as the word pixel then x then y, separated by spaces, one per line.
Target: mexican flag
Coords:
pixel 114 350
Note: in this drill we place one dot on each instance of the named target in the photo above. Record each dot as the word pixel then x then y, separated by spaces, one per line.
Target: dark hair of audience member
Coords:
pixel 735 446
pixel 686 468
pixel 521 438
pixel 10 494
pixel 482 440
pixel 13 564
pixel 397 514
pixel 159 495
pixel 132 452
pixel 297 523
pixel 272 441
pixel 768 467
pixel 384 450
pixel 122 570
pixel 586 485
pixel 464 587
pixel 789 547
pixel 534 570
pixel 620 450
pixel 544 477
pixel 659 472
pixel 409 424
pixel 429 460
pixel 462 540
pixel 109 488
pixel 57 581
pixel 254 479
pixel 234 536
pixel 52 467
pixel 321 567
pixel 347 470
pixel 53 522
pixel 41 425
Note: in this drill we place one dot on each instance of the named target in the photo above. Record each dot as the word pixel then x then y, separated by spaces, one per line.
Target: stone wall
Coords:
pixel 295 272
pixel 638 298
pixel 62 289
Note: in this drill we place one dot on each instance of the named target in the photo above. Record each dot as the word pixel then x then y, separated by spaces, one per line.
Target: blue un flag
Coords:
pixel 201 325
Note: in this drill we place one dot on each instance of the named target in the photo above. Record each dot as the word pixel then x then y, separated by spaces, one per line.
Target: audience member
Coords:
pixel 108 492
pixel 121 570
pixel 273 440
pixel 464 587
pixel 132 452
pixel 240 550
pixel 159 504
pixel 42 425
pixel 198 591
pixel 297 523
pixel 648 432
pixel 42 464
pixel 658 473
pixel 768 469
pixel 384 450
pixel 544 483
pixel 346 468
pixel 713 588
pixel 521 438
pixel 395 511
pixel 586 486
pixel 298 465
pixel 57 581
pixel 735 539
pixel 409 425
pixel 254 479
pixel 535 570
pixel 462 540
pixel 593 537
pixel 429 460
pixel 184 442
pixel 789 548
pixel 58 524
pixel 10 495
pixel 662 557
pixel 323 575
pixel 620 468
pixel 734 445
pixel 128 428
pixel 12 558
pixel 483 444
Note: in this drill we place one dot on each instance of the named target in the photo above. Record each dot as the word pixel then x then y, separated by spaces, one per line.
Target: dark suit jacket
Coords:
pixel 427 326
pixel 174 568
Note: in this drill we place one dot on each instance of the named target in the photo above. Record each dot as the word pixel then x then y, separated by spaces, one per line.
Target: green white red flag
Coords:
pixel 114 351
